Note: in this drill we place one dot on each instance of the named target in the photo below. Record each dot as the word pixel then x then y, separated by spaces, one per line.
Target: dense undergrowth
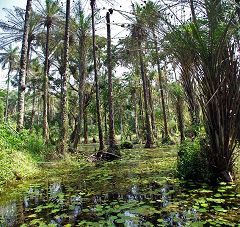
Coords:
pixel 19 154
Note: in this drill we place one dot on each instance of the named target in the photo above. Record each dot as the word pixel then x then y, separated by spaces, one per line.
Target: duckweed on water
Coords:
pixel 139 190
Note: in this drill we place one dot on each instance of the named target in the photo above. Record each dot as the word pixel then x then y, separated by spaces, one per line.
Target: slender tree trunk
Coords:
pixel 100 131
pixel 112 141
pixel 180 117
pixel 121 124
pixel 193 105
pixel 64 103
pixel 7 95
pixel 152 109
pixel 166 136
pixel 149 139
pixel 135 114
pixel 46 88
pixel 105 124
pixel 81 83
pixel 141 113
pixel 38 110
pixel 194 19
pixel 85 125
pixel 33 109
pixel 23 66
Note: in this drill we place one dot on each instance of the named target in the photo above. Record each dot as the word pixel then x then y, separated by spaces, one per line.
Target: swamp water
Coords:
pixel 139 190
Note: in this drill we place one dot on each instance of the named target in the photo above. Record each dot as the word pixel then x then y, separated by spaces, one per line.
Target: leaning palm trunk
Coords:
pixel 23 66
pixel 100 131
pixel 64 104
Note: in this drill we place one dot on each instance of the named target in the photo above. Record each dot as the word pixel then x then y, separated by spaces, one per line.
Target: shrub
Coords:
pixel 126 145
pixel 192 160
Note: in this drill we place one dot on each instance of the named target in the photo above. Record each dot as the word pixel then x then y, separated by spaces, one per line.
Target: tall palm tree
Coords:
pixel 81 26
pixel 151 17
pixel 34 84
pixel 64 104
pixel 139 34
pixel 23 67
pixel 9 59
pixel 49 17
pixel 112 141
pixel 100 131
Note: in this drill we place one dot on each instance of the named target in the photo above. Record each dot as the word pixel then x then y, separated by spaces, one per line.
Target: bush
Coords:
pixel 192 160
pixel 126 145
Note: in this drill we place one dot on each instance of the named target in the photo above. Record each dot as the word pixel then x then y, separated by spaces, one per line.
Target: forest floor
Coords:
pixel 141 189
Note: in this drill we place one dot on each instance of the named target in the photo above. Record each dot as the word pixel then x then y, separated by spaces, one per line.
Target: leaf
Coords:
pixel 120 221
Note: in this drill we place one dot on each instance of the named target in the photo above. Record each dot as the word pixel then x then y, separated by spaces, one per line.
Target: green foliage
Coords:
pixel 19 154
pixel 192 161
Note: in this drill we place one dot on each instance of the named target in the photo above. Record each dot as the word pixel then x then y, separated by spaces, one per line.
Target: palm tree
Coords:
pixel 64 104
pixel 139 34
pixel 112 141
pixel 9 58
pixel 213 43
pixel 177 94
pixel 100 131
pixel 151 18
pixel 81 27
pixel 13 27
pixel 49 17
pixel 23 67
pixel 34 84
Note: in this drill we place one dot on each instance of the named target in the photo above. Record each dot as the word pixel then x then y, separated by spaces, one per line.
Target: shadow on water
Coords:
pixel 131 192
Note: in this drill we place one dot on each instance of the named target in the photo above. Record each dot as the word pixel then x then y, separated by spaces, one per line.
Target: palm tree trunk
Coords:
pixel 180 117
pixel 45 88
pixel 100 131
pixel 149 139
pixel 105 124
pixel 23 66
pixel 81 82
pixel 64 103
pixel 7 95
pixel 152 109
pixel 135 114
pixel 194 19
pixel 85 125
pixel 166 136
pixel 33 109
pixel 112 141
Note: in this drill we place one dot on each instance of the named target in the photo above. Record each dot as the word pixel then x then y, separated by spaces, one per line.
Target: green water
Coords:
pixel 139 190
